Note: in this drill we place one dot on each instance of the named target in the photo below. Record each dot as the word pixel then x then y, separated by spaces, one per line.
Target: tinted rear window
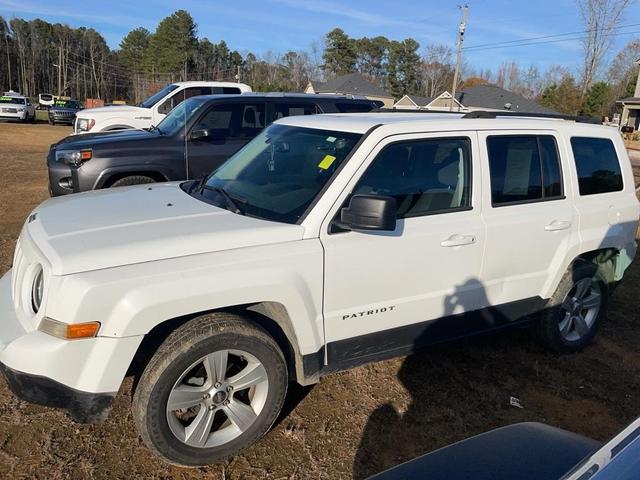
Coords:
pixel 524 168
pixel 225 90
pixel 354 107
pixel 597 165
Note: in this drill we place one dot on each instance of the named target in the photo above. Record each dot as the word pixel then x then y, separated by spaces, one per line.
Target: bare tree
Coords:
pixel 624 69
pixel 600 18
pixel 437 69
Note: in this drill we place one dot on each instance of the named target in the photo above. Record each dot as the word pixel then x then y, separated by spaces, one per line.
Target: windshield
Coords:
pixel 156 97
pixel 177 118
pixel 277 175
pixel 14 100
pixel 68 104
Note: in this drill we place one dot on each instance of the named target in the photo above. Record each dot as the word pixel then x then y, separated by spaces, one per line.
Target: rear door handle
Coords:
pixel 557 225
pixel 458 240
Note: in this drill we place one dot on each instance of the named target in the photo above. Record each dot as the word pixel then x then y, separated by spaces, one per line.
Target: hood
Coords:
pixel 91 140
pixel 113 111
pixel 127 225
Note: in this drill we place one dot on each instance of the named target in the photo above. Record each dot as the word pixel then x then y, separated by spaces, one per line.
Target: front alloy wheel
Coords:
pixel 217 398
pixel 214 387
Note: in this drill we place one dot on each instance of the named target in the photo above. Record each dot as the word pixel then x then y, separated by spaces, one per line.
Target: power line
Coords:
pixel 525 43
pixel 544 37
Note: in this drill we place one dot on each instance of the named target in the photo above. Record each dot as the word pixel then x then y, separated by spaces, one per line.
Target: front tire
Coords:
pixel 214 387
pixel 576 310
pixel 132 180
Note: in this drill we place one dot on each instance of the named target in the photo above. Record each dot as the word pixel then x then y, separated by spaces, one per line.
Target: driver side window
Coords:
pixel 424 176
pixel 233 120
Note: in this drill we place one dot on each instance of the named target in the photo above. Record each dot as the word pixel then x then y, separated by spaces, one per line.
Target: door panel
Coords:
pixel 377 281
pixel 527 239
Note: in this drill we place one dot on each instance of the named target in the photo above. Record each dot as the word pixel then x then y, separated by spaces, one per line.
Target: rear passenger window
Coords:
pixel 597 165
pixel 355 107
pixel 282 110
pixel 523 168
pixel 225 90
pixel 425 176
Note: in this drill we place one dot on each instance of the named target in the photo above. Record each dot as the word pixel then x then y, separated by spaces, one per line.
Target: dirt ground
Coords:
pixel 351 424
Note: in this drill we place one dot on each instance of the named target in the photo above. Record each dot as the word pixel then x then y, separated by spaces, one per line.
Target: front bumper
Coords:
pixel 81 376
pixel 83 407
pixel 60 177
pixel 13 116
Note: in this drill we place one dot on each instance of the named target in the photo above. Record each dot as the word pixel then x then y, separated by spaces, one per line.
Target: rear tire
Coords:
pixel 132 180
pixel 576 310
pixel 214 387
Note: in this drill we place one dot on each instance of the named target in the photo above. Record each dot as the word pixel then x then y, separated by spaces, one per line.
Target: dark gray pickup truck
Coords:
pixel 193 140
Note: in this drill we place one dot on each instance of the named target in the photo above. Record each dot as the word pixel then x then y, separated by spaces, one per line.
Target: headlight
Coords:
pixel 37 290
pixel 73 157
pixel 86 124
pixel 20 110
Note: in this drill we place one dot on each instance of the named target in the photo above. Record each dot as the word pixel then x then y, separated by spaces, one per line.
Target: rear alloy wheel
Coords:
pixel 580 309
pixel 576 310
pixel 214 387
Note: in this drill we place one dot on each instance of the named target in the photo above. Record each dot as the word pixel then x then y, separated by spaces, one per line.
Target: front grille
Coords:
pixel 10 110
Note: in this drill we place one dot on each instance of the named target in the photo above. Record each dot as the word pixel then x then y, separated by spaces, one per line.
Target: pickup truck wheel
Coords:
pixel 214 387
pixel 132 180
pixel 576 310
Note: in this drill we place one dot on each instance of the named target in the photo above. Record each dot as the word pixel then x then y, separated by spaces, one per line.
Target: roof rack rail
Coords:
pixel 410 110
pixel 557 116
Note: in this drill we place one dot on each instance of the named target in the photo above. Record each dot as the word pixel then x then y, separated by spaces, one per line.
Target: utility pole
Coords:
pixel 59 67
pixel 463 25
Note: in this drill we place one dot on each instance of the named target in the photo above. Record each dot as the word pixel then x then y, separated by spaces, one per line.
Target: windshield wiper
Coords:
pixel 231 202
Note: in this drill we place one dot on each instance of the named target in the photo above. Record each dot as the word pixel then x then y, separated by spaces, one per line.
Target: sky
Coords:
pixel 281 25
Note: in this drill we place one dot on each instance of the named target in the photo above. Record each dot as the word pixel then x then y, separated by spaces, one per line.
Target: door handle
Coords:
pixel 458 240
pixel 557 225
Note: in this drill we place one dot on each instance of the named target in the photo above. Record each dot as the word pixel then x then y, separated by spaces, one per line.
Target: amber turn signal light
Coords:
pixel 69 331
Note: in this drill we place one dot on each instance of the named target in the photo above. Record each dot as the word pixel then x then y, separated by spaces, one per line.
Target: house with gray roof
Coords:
pixel 352 84
pixel 479 97
pixel 631 107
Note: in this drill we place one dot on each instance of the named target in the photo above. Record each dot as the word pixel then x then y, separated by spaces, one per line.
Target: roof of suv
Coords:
pixel 211 83
pixel 306 97
pixel 362 122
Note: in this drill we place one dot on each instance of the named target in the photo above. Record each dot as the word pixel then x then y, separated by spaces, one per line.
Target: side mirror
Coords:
pixel 370 212
pixel 202 134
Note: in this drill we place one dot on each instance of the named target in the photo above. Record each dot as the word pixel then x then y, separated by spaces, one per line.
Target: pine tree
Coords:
pixel 340 53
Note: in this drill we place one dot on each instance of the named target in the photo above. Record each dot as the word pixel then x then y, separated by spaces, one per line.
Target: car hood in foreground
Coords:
pixel 127 225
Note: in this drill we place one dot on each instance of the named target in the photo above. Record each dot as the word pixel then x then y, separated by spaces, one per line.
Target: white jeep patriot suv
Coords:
pixel 151 111
pixel 327 242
